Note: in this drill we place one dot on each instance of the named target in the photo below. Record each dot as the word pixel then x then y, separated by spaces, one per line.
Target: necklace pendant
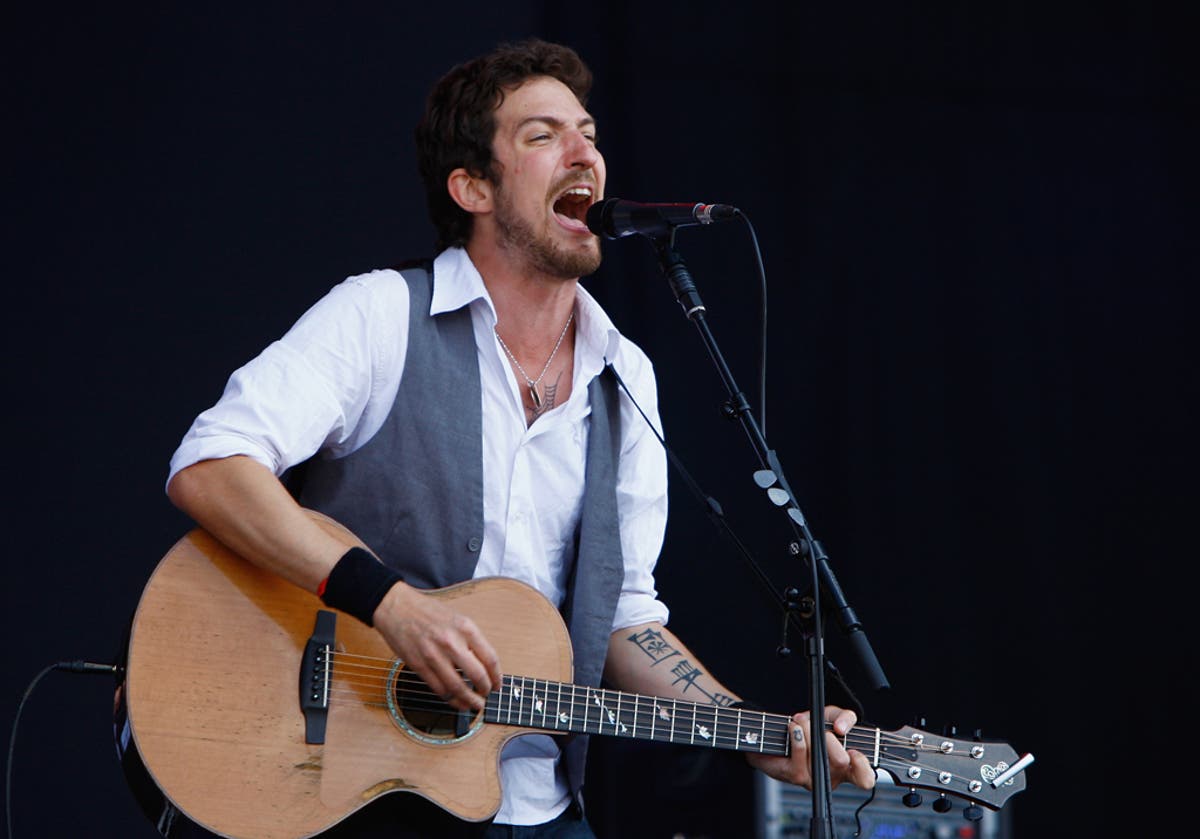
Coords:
pixel 537 397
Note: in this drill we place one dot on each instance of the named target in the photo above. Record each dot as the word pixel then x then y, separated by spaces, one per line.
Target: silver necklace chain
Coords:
pixel 533 383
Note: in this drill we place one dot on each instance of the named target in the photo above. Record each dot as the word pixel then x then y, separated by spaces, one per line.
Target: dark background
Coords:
pixel 978 226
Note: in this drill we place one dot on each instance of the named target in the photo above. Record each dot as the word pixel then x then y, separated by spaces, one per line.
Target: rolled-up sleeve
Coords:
pixel 307 391
pixel 641 493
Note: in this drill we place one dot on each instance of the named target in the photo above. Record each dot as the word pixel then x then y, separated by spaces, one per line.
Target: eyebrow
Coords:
pixel 555 121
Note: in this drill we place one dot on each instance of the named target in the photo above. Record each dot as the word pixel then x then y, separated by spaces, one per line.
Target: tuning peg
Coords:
pixel 942 805
pixel 912 799
pixel 973 813
pixel 978 735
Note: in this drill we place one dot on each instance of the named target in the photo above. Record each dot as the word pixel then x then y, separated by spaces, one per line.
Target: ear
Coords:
pixel 473 194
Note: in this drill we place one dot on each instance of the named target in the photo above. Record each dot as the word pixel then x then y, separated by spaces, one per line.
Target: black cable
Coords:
pixel 715 512
pixel 68 666
pixel 762 325
pixel 860 808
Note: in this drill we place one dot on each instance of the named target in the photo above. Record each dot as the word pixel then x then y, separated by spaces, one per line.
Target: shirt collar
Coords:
pixel 457 283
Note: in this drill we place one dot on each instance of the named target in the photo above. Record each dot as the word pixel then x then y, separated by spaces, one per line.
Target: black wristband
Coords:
pixel 358 584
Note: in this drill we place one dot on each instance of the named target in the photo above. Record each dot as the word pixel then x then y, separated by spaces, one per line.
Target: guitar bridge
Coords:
pixel 316 673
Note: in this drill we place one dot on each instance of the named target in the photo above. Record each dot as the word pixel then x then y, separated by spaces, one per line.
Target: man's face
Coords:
pixel 548 173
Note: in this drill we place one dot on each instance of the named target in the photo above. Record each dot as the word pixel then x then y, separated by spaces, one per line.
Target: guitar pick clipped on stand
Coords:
pixel 824 595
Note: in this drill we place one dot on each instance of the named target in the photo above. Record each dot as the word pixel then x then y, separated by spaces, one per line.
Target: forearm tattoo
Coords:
pixel 658 649
pixel 653 644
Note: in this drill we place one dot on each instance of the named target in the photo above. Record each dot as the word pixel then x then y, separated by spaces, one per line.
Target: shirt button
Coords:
pixel 474 544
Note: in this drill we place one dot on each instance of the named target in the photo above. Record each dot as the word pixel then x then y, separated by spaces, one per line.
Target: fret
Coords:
pixel 556 706
pixel 506 701
pixel 536 706
pixel 529 697
pixel 614 718
pixel 543 703
pixel 705 730
pixel 514 701
pixel 598 701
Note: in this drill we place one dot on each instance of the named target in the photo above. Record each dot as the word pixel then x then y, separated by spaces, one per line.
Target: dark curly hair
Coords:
pixel 459 122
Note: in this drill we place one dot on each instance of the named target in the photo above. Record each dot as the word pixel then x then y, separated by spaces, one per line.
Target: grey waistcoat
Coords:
pixel 414 492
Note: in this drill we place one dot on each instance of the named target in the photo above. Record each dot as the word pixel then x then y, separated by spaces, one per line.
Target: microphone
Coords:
pixel 613 218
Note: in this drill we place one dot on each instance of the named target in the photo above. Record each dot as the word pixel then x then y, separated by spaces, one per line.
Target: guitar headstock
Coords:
pixel 986 773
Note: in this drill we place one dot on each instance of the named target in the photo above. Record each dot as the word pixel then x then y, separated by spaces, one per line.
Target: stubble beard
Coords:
pixel 542 254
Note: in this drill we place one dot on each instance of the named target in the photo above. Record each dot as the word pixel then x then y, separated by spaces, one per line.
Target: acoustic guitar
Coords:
pixel 258 712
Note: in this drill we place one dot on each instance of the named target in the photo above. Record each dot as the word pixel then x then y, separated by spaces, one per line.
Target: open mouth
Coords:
pixel 571 207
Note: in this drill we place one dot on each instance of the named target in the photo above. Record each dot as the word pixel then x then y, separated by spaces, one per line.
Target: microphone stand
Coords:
pixel 824 584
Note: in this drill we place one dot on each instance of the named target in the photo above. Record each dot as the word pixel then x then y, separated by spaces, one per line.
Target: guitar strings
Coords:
pixel 415 689
pixel 415 696
pixel 353 672
pixel 374 673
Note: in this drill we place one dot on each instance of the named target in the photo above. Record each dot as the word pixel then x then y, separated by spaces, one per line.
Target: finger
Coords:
pixel 441 659
pixel 839 759
pixel 801 734
pixel 418 665
pixel 454 688
pixel 798 740
pixel 476 675
pixel 862 774
pixel 794 769
pixel 803 725
pixel 489 676
pixel 842 719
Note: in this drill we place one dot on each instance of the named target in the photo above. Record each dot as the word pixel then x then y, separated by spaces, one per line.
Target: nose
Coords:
pixel 581 152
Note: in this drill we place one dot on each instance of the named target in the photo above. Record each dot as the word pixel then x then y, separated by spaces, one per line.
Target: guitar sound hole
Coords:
pixel 425 715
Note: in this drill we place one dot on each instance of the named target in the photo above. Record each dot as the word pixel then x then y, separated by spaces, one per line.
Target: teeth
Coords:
pixel 579 190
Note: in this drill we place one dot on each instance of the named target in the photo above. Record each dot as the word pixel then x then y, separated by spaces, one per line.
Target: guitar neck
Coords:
pixel 564 707
pixel 987 773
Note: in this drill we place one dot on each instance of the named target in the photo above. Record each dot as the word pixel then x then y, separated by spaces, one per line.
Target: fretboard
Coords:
pixel 558 706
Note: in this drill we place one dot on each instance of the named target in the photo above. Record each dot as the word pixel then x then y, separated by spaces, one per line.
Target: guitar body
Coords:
pixel 212 696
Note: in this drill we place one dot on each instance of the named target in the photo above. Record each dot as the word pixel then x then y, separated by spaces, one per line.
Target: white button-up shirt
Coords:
pixel 330 382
